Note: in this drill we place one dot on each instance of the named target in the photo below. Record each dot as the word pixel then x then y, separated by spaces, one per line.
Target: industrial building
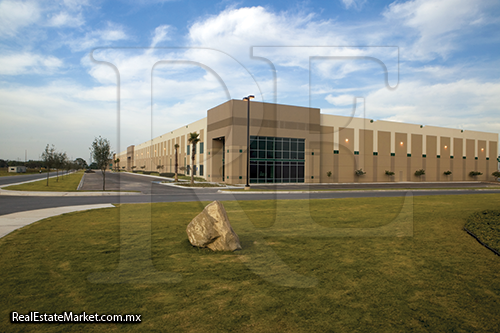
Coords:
pixel 292 144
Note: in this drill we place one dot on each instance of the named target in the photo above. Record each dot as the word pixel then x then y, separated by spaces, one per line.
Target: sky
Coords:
pixel 131 70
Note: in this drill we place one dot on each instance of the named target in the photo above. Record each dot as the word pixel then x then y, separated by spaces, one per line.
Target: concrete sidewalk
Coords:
pixel 11 222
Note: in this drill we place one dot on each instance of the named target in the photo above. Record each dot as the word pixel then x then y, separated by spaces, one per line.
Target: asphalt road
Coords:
pixel 154 192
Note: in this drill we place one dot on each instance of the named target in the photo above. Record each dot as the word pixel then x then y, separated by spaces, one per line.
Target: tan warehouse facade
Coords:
pixel 291 144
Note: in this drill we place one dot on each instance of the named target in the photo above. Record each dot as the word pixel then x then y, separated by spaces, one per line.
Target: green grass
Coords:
pixel 66 183
pixel 306 266
pixel 197 179
pixel 486 226
pixel 187 184
pixel 4 172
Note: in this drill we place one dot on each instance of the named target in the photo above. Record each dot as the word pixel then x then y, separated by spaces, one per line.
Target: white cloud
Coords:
pixel 464 103
pixel 355 4
pixel 28 63
pixel 436 25
pixel 102 37
pixel 113 32
pixel 160 34
pixel 15 15
pixel 65 19
pixel 342 100
pixel 235 30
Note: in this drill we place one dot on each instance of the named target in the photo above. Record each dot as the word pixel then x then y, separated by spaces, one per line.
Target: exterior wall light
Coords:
pixel 248 98
pixel 346 140
pixel 445 147
pixel 482 149
pixel 401 143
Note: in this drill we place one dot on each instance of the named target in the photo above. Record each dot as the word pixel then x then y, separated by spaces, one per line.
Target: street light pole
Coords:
pixel 248 98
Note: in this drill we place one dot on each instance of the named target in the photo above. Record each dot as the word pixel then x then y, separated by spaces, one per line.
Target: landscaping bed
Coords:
pixel 485 227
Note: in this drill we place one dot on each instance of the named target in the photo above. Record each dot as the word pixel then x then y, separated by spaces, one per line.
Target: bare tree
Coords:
pixel 193 139
pixel 101 152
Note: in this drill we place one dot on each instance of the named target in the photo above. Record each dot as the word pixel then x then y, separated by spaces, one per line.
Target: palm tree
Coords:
pixel 117 166
pixel 176 146
pixel 193 139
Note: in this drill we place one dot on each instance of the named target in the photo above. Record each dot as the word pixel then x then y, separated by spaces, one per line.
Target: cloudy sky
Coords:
pixel 130 70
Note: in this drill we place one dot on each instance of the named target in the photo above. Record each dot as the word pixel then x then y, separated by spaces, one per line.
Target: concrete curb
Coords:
pixel 197 188
pixel 357 191
pixel 11 222
pixel 81 182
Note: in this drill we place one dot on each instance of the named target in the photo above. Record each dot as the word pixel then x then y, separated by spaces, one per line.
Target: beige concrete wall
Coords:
pixel 369 146
pixel 229 121
pixel 161 151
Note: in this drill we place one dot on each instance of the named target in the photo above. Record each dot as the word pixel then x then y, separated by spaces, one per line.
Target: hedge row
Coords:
pixel 170 174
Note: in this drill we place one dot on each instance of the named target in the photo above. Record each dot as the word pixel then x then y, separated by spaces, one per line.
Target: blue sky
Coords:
pixel 176 59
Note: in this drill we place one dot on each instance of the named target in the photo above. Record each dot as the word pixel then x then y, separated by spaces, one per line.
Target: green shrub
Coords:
pixel 447 173
pixel 170 174
pixel 475 173
pixel 420 172
pixel 389 173
pixel 359 172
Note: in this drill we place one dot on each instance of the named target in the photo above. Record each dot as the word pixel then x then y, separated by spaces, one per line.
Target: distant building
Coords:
pixel 291 144
pixel 17 169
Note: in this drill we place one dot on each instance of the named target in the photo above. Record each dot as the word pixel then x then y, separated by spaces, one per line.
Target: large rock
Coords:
pixel 211 228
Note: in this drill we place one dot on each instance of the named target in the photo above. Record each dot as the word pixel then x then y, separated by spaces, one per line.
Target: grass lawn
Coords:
pixel 66 183
pixel 4 172
pixel 306 266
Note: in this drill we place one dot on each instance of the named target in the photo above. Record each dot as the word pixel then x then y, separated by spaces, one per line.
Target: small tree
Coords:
pixel 389 173
pixel 133 167
pixel 158 167
pixel 193 139
pixel 117 161
pixel 176 169
pixel 329 174
pixel 496 174
pixel 59 162
pixel 473 174
pixel 447 173
pixel 48 157
pixel 82 164
pixel 420 173
pixel 359 172
pixel 101 152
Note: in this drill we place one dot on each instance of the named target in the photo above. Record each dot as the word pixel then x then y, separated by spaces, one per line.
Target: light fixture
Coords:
pixel 346 140
pixel 248 98
pixel 445 147
pixel 401 143
pixel 482 149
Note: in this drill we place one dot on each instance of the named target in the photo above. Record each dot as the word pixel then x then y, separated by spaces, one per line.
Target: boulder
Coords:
pixel 211 228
